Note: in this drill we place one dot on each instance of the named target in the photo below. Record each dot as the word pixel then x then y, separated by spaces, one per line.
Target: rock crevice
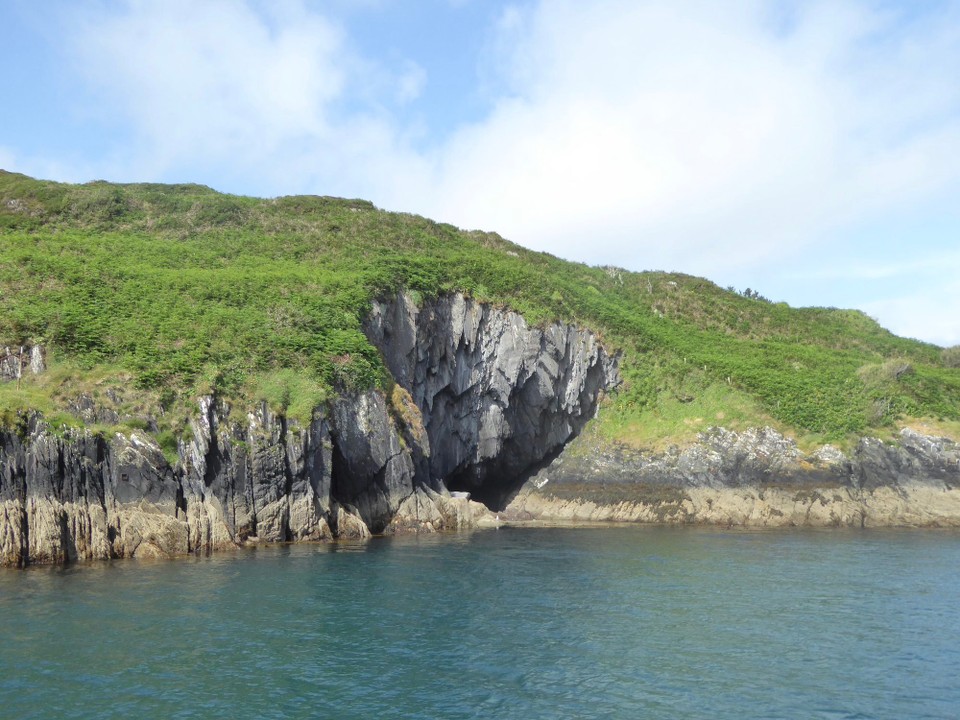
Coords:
pixel 480 404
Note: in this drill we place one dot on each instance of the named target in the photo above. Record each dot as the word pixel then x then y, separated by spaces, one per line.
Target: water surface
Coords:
pixel 621 622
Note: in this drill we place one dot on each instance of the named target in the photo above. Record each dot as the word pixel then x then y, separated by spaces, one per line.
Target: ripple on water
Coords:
pixel 529 623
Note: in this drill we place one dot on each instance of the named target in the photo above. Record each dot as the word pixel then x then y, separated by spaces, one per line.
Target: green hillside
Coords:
pixel 170 291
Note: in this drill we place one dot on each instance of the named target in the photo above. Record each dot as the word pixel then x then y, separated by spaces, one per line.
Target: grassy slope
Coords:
pixel 172 290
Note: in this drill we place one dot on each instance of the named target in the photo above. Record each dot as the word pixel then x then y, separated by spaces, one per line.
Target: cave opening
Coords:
pixel 490 484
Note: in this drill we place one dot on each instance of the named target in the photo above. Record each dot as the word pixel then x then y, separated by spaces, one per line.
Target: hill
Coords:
pixel 187 371
pixel 175 291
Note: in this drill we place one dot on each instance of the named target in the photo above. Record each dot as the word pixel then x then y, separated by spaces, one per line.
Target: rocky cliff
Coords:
pixel 753 478
pixel 495 397
pixel 479 403
pixel 480 400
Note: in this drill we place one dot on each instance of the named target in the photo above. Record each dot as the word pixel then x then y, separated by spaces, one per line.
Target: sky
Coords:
pixel 807 150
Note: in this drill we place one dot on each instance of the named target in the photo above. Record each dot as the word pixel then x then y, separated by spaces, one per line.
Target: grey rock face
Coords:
pixel 374 469
pixel 255 478
pixel 109 407
pixel 15 361
pixel 482 402
pixel 917 458
pixel 762 457
pixel 497 397
pixel 720 458
pixel 80 496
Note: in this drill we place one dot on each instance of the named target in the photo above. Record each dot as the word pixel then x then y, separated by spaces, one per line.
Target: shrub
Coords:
pixel 951 357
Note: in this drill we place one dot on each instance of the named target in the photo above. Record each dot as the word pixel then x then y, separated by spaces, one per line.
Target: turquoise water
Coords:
pixel 623 622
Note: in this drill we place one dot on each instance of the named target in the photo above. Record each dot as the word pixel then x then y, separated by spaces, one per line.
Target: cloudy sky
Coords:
pixel 809 150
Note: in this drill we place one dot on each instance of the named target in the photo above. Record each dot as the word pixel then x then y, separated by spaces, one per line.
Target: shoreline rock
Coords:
pixel 754 478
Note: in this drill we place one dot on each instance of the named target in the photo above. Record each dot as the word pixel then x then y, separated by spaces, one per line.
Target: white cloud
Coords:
pixel 714 138
pixel 222 87
pixel 684 135
pixel 411 81
pixel 693 136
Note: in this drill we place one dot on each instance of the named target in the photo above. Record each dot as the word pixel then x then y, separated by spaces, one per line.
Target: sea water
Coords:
pixel 616 622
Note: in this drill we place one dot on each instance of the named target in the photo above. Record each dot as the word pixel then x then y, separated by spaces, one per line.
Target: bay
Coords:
pixel 614 622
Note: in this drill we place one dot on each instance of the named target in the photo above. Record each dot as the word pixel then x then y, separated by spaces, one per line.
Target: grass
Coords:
pixel 288 392
pixel 172 291
pixel 55 392
pixel 676 419
pixel 936 427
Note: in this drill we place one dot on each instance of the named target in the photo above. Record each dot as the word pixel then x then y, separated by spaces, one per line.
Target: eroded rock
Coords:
pixel 480 399
pixel 496 396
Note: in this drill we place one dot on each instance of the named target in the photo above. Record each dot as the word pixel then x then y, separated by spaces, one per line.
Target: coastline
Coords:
pixel 70 506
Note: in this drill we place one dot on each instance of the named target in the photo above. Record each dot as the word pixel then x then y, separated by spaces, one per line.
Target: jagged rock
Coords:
pixel 348 523
pixel 37 361
pixel 916 458
pixel 262 478
pixel 107 408
pixel 427 510
pixel 85 408
pixel 481 398
pixel 496 396
pixel 80 496
pixel 373 471
pixel 481 402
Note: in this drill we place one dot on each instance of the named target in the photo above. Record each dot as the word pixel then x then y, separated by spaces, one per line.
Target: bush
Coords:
pixel 951 357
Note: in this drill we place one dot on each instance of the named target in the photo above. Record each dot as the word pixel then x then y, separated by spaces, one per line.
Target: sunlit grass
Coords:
pixel 172 292
pixel 677 419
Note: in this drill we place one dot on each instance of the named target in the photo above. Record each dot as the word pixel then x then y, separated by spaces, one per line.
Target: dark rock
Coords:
pixel 372 470
pixel 482 402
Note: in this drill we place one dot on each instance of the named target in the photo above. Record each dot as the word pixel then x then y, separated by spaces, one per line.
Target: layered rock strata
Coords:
pixel 753 478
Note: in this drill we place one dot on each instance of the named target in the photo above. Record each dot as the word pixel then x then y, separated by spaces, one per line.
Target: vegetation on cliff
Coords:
pixel 153 294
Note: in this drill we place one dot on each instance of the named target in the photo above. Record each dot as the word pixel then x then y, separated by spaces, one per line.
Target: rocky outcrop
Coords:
pixel 255 478
pixel 480 399
pixel 14 362
pixel 84 496
pixel 754 478
pixel 496 397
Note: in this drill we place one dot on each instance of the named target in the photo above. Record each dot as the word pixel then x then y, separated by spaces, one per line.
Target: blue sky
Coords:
pixel 808 150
